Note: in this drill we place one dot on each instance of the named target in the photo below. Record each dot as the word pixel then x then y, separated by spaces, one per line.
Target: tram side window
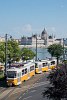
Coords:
pixel 25 70
pixel 53 62
pixel 31 68
pixel 36 65
pixel 44 64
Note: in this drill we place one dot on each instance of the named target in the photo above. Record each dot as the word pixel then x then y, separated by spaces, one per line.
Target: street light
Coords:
pixel 63 50
pixel 36 47
pixel 23 58
pixel 6 53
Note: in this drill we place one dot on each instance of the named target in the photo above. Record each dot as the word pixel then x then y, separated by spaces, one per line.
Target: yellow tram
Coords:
pixel 21 72
pixel 44 66
pixel 52 63
pixel 16 76
pixel 38 67
pixel 41 66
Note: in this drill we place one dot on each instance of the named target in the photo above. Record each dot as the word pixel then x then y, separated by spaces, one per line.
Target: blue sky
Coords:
pixel 24 17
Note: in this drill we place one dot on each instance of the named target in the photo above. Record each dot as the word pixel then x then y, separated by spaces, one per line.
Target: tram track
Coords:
pixel 2 90
pixel 8 92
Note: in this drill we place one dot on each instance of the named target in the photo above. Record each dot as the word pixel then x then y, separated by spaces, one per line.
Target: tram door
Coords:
pixel 28 70
pixel 40 67
pixel 19 78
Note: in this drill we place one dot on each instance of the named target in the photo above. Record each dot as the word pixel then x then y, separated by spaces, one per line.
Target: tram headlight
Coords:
pixel 7 81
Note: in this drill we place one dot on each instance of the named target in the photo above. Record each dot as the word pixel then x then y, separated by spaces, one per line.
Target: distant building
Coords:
pixel 42 40
pixel 44 36
pixel 2 39
pixel 58 41
pixel 65 41
pixel 17 40
pixel 26 41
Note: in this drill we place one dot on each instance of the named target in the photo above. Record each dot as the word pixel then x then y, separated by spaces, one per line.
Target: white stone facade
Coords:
pixel 43 40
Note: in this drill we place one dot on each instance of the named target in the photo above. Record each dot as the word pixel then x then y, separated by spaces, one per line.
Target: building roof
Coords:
pixel 44 32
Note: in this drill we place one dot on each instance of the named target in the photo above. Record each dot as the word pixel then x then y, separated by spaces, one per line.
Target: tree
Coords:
pixel 58 80
pixel 2 54
pixel 13 51
pixel 55 50
pixel 27 54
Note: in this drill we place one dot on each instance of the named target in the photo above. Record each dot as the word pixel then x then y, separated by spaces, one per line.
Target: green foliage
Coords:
pixel 27 54
pixel 58 80
pixel 1 74
pixel 2 52
pixel 13 51
pixel 65 61
pixel 55 50
pixel 60 65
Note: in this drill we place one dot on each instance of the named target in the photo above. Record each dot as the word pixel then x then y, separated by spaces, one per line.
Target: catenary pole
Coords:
pixel 5 54
pixel 36 47
pixel 63 50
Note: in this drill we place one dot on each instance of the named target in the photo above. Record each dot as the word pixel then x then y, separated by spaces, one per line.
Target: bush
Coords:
pixel 65 61
pixel 58 81
pixel 1 74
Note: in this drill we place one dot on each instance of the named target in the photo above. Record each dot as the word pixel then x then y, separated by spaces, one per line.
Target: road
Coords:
pixel 29 90
pixel 35 92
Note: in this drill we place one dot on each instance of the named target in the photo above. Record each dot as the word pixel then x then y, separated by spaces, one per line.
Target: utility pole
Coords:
pixel 36 47
pixel 63 50
pixel 5 54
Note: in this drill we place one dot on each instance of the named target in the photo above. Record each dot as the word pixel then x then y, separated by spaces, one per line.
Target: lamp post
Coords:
pixel 23 58
pixel 63 50
pixel 36 47
pixel 5 54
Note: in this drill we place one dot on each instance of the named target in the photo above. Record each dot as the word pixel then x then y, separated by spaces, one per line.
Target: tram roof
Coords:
pixel 14 69
pixel 22 65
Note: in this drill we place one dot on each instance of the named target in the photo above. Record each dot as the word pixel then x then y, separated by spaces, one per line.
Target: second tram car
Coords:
pixel 52 63
pixel 41 66
pixel 38 67
pixel 44 66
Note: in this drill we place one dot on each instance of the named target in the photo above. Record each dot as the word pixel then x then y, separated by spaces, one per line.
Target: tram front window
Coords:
pixel 53 62
pixel 11 74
